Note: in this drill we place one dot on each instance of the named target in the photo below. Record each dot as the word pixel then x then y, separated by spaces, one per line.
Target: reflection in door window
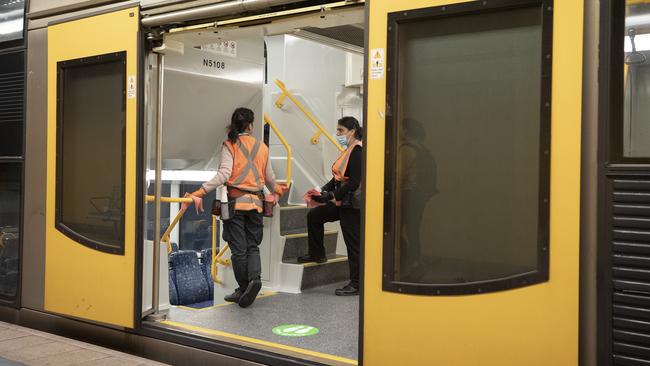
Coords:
pixel 636 129
pixel 469 141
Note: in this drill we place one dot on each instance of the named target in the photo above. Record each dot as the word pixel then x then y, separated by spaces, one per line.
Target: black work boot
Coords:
pixel 347 290
pixel 250 293
pixel 309 258
pixel 234 297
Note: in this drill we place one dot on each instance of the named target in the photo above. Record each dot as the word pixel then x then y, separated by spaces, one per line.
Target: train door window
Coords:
pixel 635 131
pixel 10 188
pixel 91 145
pixel 467 183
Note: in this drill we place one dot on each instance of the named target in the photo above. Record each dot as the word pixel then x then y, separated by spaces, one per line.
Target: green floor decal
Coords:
pixel 295 330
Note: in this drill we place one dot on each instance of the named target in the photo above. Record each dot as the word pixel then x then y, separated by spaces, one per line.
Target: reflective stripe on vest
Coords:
pixel 250 157
pixel 249 202
pixel 341 164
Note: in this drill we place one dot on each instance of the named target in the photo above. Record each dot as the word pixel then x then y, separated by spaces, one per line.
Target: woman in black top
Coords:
pixel 341 198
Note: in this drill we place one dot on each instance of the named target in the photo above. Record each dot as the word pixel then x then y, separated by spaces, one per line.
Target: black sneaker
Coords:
pixel 234 297
pixel 250 294
pixel 308 258
pixel 347 290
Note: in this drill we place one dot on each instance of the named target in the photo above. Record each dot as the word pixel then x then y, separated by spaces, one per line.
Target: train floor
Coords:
pixel 316 321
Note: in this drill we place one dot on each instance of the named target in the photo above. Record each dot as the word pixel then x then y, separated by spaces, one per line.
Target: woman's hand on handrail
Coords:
pixel 197 197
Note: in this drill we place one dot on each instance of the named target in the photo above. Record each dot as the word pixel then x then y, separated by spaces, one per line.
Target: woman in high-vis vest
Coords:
pixel 341 198
pixel 245 169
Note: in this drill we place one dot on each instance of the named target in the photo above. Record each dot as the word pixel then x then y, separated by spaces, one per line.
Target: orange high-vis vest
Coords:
pixel 250 157
pixel 341 164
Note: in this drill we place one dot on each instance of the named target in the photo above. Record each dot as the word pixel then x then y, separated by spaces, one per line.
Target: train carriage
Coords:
pixel 505 178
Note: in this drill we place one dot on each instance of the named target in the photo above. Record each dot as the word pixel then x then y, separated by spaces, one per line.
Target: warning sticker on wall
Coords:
pixel 227 48
pixel 130 87
pixel 377 63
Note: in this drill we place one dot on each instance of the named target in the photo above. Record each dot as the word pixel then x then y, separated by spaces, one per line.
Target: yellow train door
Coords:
pixel 91 167
pixel 472 179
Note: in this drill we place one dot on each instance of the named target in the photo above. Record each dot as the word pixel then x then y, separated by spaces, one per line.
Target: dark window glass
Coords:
pixel 90 187
pixel 196 229
pixel 468 141
pixel 12 98
pixel 10 183
pixel 164 209
pixel 636 129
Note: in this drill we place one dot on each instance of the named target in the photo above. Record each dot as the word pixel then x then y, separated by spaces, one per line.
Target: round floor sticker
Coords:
pixel 295 330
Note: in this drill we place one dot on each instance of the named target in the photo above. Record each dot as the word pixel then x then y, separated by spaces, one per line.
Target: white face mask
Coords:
pixel 342 140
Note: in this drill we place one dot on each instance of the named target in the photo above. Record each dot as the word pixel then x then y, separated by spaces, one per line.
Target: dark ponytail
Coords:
pixel 351 123
pixel 241 119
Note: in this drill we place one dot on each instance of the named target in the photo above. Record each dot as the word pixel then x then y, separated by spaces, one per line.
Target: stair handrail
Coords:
pixel 287 147
pixel 287 94
pixel 165 237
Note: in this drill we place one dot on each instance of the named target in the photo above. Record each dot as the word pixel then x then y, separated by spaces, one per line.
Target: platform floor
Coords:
pixel 25 346
pixel 336 317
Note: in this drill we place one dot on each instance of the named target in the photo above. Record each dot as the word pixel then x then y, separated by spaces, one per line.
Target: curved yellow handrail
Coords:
pixel 287 94
pixel 213 266
pixel 287 147
pixel 216 257
pixel 165 237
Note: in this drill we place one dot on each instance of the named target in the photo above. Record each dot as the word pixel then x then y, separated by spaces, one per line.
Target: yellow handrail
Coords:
pixel 170 199
pixel 216 257
pixel 165 237
pixel 314 139
pixel 213 266
pixel 287 147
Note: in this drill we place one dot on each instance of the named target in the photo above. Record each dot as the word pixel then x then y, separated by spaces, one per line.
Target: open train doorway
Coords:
pixel 299 75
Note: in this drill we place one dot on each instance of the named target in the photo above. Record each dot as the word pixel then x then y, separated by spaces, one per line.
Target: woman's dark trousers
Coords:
pixel 350 225
pixel 243 233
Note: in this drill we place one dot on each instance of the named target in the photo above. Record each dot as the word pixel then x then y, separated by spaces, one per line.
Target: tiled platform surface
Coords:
pixel 25 346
